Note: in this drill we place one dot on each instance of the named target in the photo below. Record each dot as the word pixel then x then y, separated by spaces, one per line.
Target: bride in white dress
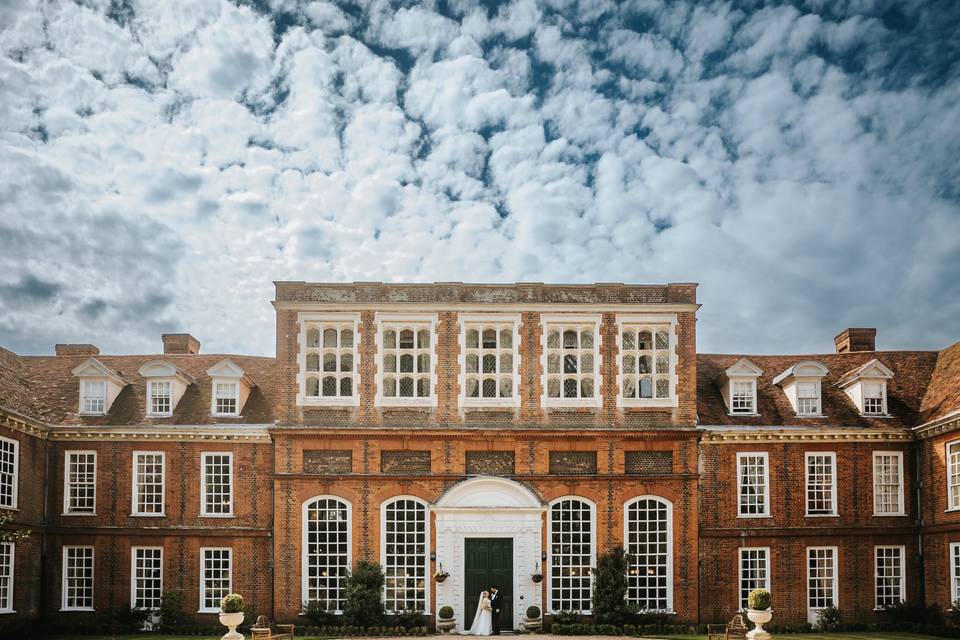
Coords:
pixel 483 620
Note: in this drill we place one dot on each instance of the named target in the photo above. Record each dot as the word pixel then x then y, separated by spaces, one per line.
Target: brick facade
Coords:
pixel 286 453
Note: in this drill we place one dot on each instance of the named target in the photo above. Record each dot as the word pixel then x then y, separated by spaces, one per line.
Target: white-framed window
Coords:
pixel 326 549
pixel 405 554
pixel 148 483
pixel 77 583
pixel 648 531
pixel 226 398
pixel 329 359
pixel 888 483
pixel 572 554
pixel 646 361
pixel 93 396
pixel 821 578
pixel 754 571
pixel 874 397
pixel 743 396
pixel 489 361
pixel 889 575
pixel 821 476
pixel 7 557
pixel 160 397
pixel 808 398
pixel 146 577
pixel 953 474
pixel 571 361
pixel 954 560
pixel 80 482
pixel 216 487
pixel 753 485
pixel 216 577
pixel 406 375
pixel 9 472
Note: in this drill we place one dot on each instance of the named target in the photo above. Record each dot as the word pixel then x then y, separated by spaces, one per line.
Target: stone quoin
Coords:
pixel 501 430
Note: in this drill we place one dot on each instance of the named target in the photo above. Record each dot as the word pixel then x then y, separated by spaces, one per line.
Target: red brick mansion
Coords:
pixel 500 431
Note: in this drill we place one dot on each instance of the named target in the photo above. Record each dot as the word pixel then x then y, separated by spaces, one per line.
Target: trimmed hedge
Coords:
pixel 580 629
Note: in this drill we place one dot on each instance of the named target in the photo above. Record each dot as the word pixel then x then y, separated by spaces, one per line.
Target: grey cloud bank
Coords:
pixel 162 162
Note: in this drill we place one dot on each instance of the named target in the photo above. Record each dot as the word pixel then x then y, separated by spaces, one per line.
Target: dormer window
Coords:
pixel 161 393
pixel 230 387
pixel 93 395
pixel 740 388
pixel 166 384
pixel 866 386
pixel 801 385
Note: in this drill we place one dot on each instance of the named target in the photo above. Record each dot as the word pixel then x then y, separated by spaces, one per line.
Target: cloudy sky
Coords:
pixel 163 161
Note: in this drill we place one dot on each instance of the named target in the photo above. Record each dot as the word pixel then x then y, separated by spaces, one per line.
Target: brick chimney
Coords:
pixel 861 339
pixel 76 350
pixel 180 343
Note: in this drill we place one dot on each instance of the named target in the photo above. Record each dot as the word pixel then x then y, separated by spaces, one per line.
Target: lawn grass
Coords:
pixel 859 635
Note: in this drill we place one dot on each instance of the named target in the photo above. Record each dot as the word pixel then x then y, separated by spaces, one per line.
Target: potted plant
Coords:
pixel 531 621
pixel 446 622
pixel 231 615
pixel 759 612
pixel 441 575
pixel 537 576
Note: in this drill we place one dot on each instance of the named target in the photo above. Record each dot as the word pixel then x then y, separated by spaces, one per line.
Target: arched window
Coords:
pixel 571 554
pixel 648 533
pixel 326 551
pixel 404 548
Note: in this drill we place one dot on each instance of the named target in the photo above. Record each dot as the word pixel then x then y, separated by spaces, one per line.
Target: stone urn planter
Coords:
pixel 446 623
pixel 531 620
pixel 759 613
pixel 231 615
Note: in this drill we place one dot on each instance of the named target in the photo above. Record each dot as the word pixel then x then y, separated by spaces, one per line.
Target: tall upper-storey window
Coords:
pixel 571 360
pixel 888 483
pixel 80 483
pixel 489 361
pixel 953 474
pixel 821 475
pixel 407 348
pixel 9 472
pixel 148 483
pixel 647 361
pixel 329 361
pixel 216 486
pixel 753 485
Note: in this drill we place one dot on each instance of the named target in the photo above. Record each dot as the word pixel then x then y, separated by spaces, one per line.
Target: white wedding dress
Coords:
pixel 483 619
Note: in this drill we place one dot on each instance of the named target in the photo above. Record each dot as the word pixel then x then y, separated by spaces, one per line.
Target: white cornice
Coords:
pixel 716 435
pixel 220 432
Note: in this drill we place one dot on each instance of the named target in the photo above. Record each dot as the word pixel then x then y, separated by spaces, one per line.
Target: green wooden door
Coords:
pixel 488 561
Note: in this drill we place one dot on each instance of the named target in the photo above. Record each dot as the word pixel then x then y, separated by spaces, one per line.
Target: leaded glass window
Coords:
pixel 646 367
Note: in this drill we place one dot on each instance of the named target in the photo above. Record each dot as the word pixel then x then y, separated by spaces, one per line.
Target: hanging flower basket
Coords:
pixel 441 576
pixel 536 577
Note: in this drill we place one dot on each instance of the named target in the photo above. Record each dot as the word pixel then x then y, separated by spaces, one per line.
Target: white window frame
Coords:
pixel 398 321
pixel 135 485
pixel 318 321
pixel 383 544
pixel 753 396
pixel 133 573
pixel 740 576
pixel 203 484
pixel 833 483
pixel 85 383
pixel 819 397
pixel 63 578
pixel 593 320
pixel 835 585
pixel 953 477
pixel 766 484
pixel 150 384
pixel 902 510
pixel 551 606
pixel 876 573
pixel 215 395
pixel 497 322
pixel 8 573
pixel 653 323
pixel 14 475
pixel 203 577
pixel 883 397
pixel 304 549
pixel 953 560
pixel 669 536
pixel 66 482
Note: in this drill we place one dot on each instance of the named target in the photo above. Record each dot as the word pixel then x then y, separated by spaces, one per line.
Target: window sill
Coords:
pixel 217 515
pixel 882 416
pixel 501 408
pixel 88 414
pixel 570 404
pixel 889 515
pixel 646 403
pixel 3 611
pixel 333 403
pixel 754 517
pixel 952 510
pixel 411 403
pixel 159 415
pixel 77 609
pixel 67 513
pixel 148 515
pixel 208 610
pixel 811 415
pixel 743 415
pixel 225 415
pixel 822 515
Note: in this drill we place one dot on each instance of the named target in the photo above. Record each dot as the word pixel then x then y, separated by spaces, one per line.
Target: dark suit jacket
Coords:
pixel 496 603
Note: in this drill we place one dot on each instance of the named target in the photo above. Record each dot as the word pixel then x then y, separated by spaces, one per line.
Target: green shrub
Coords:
pixel 446 612
pixel 906 612
pixel 533 613
pixel 610 587
pixel 363 592
pixel 171 611
pixel 318 612
pixel 566 617
pixel 828 619
pixel 758 600
pixel 232 603
pixel 408 618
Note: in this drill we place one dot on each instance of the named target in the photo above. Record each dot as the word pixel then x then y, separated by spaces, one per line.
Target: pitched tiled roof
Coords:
pixel 912 371
pixel 943 393
pixel 57 391
pixel 14 392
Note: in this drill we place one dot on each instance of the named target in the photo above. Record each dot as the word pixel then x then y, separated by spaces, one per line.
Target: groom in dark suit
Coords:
pixel 495 603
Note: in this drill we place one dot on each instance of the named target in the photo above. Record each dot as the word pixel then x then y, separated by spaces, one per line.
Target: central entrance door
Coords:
pixel 488 561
